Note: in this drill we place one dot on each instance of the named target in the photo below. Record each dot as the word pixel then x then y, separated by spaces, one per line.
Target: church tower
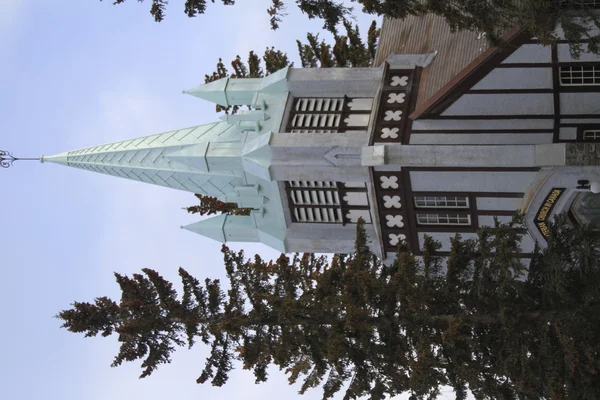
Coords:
pixel 445 135
pixel 306 187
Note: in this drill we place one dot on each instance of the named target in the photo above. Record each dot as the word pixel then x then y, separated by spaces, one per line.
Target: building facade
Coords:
pixel 443 136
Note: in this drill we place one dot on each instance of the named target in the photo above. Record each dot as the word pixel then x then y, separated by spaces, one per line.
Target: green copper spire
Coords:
pixel 229 159
pixel 178 159
pixel 240 92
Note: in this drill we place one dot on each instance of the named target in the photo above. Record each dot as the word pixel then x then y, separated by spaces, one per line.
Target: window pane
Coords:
pixel 441 202
pixel 443 219
pixel 582 75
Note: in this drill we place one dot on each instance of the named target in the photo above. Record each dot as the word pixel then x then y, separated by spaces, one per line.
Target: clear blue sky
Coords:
pixel 78 73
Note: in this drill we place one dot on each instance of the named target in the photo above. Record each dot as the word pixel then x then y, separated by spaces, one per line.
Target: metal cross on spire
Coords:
pixel 7 159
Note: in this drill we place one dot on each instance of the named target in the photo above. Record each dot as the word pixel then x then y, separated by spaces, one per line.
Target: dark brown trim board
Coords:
pixel 472 74
pixel 476 131
pixel 556 97
pixel 509 91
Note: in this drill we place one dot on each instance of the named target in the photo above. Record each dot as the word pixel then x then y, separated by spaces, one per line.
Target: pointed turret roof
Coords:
pixel 229 159
pixel 160 159
pixel 213 91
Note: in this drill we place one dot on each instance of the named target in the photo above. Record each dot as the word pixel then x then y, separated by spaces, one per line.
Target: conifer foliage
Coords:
pixel 211 205
pixel 348 50
pixel 579 18
pixel 414 326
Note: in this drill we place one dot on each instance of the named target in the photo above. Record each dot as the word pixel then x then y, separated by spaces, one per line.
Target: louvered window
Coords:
pixel 329 114
pixel 315 201
pixel 580 75
pixel 327 202
pixel 317 115
pixel 444 219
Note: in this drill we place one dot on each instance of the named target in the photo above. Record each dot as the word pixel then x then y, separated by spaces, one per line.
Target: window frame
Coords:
pixel 437 219
pixel 438 202
pixel 310 201
pixel 569 68
pixel 583 129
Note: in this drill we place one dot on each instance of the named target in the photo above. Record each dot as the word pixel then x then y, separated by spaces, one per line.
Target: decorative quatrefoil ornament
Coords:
pixel 389 182
pixel 396 97
pixel 392 202
pixel 396 238
pixel 389 133
pixel 399 80
pixel 391 115
pixel 394 221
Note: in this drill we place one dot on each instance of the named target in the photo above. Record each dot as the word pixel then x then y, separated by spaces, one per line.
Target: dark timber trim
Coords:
pixel 409 211
pixel 467 131
pixel 508 91
pixel 556 85
pixel 525 65
pixel 479 169
pixel 490 117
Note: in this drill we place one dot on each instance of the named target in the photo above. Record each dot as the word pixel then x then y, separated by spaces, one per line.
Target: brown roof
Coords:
pixel 471 74
pixel 428 34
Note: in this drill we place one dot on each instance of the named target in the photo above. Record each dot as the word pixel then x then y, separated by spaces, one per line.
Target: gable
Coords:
pixel 471 75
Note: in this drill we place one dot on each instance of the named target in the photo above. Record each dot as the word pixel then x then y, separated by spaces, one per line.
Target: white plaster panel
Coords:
pixel 333 82
pixel 357 120
pixel 470 181
pixel 361 104
pixel 580 120
pixel 502 104
pixel 327 238
pixel 529 53
pixel 498 203
pixel 488 220
pixel 481 138
pixel 564 55
pixel 318 173
pixel 356 198
pixel 472 124
pixel 444 238
pixel 355 215
pixel 567 133
pixel 517 78
pixel 580 103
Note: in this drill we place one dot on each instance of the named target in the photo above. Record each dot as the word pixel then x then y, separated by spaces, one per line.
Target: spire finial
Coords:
pixel 7 159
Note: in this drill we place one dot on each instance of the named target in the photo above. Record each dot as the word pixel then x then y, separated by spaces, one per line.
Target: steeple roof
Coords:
pixel 228 159
pixel 157 159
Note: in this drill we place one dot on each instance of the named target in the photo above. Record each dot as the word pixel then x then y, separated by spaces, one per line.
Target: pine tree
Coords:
pixel 348 51
pixel 466 321
pixel 211 205
pixel 579 19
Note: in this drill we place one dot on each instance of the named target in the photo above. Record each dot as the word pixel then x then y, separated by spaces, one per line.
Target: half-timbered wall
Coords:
pixel 413 202
pixel 538 94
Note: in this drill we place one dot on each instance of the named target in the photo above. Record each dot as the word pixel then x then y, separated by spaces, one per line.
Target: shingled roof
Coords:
pixel 457 53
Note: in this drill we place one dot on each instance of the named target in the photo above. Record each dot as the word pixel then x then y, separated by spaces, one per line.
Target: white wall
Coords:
pixel 481 138
pixel 530 53
pixel 502 104
pixel 470 181
pixel 517 78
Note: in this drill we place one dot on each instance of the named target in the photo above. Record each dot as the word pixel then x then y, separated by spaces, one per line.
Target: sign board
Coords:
pixel 543 214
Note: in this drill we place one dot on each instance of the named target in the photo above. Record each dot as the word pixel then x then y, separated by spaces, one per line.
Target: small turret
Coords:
pixel 241 91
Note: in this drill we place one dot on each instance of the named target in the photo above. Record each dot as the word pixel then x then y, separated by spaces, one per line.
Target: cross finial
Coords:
pixel 7 159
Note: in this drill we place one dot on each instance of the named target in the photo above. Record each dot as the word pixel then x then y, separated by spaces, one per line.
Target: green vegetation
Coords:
pixel 477 320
